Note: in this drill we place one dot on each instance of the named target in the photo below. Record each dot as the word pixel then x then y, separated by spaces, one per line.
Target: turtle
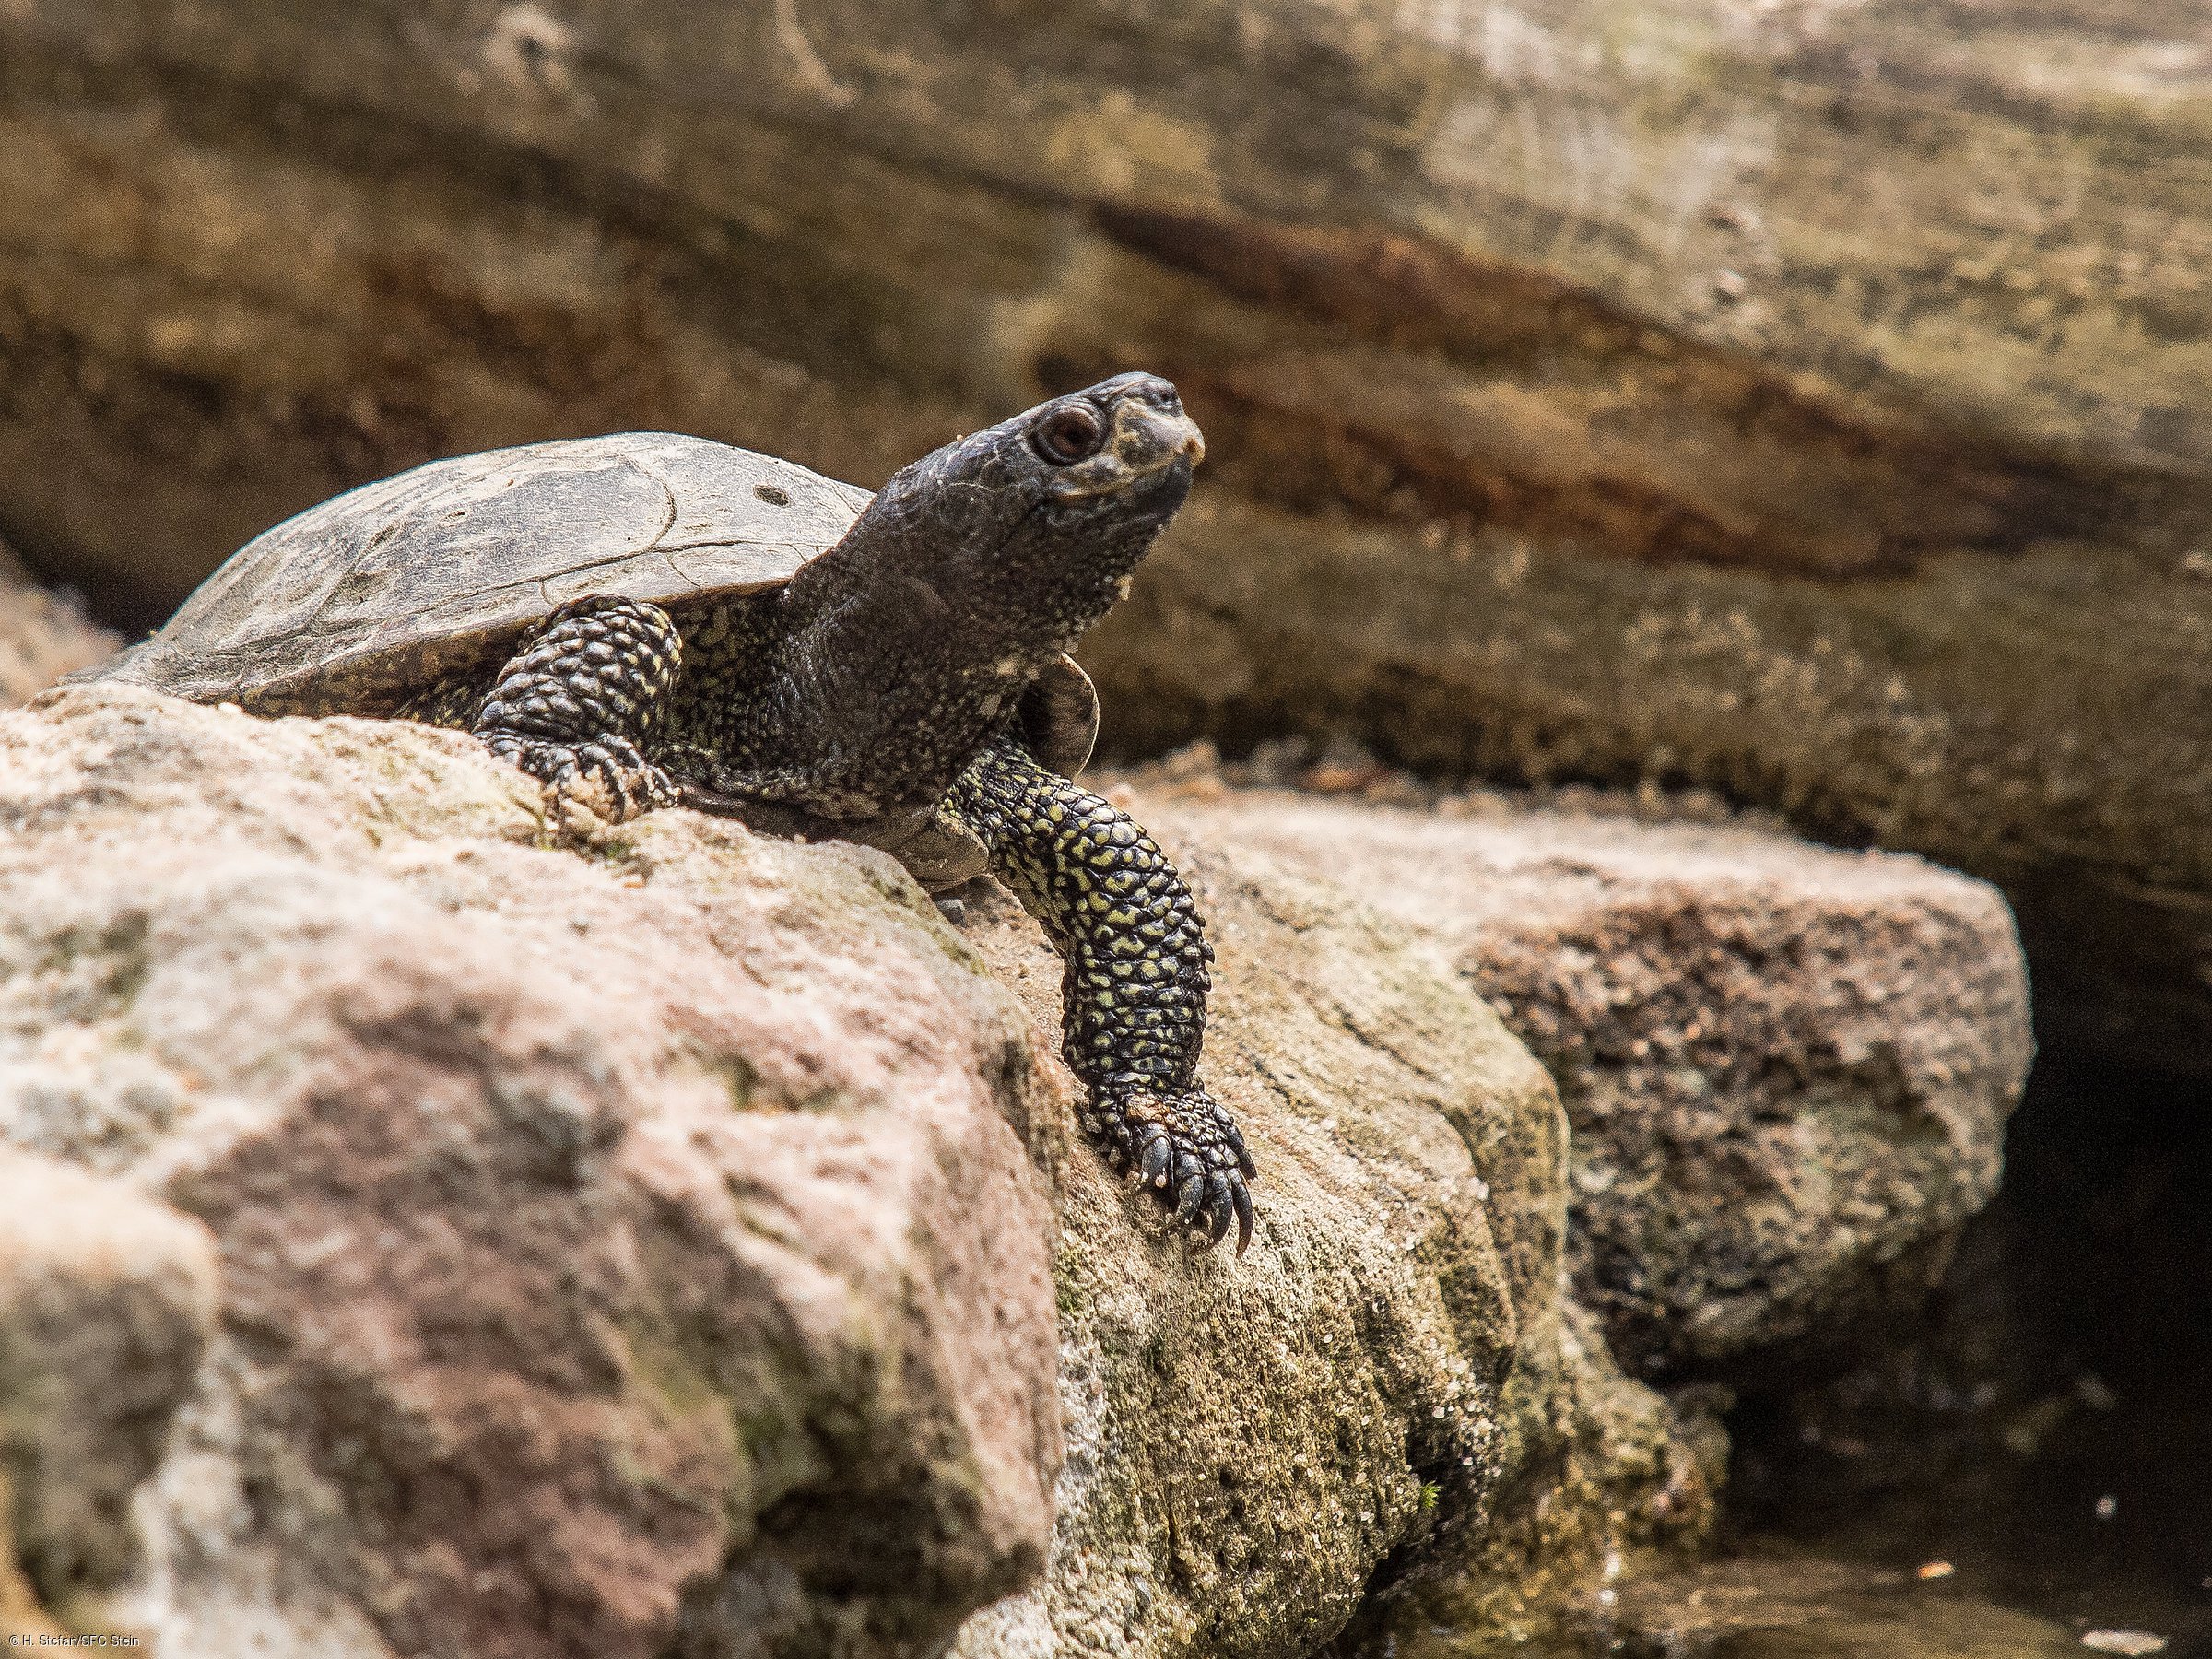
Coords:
pixel 649 619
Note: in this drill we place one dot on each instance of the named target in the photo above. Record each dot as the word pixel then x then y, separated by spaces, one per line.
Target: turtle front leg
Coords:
pixel 1134 990
pixel 574 706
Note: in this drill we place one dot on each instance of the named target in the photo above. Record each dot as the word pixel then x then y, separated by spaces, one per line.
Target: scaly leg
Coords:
pixel 1134 991
pixel 574 706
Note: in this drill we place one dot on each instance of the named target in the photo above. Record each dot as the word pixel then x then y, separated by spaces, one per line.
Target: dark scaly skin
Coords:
pixel 581 701
pixel 1133 993
pixel 586 700
pixel 861 688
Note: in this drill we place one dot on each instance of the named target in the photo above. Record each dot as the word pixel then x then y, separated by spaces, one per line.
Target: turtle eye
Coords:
pixel 1069 434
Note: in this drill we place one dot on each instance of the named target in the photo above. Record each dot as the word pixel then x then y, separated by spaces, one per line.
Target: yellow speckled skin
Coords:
pixel 1133 996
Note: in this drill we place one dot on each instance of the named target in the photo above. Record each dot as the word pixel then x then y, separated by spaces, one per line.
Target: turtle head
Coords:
pixel 1108 466
pixel 971 571
pixel 1024 534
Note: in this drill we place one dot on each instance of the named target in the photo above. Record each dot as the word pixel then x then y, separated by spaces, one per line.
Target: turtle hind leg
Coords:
pixel 1133 994
pixel 575 706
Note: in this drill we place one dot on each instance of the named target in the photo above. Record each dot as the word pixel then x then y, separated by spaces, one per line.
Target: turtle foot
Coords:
pixel 607 776
pixel 1187 1152
pixel 571 707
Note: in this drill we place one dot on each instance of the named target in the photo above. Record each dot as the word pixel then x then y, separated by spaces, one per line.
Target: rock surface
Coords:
pixel 647 1247
pixel 1385 1403
pixel 107 1302
pixel 1799 398
pixel 1788 1069
pixel 622 1253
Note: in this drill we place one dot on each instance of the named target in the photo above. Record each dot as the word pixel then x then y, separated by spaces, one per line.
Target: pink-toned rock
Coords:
pixel 613 1245
pixel 1788 1069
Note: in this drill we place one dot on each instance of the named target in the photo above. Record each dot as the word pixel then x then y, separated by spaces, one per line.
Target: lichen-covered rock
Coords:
pixel 1385 1393
pixel 621 1253
pixel 1788 1069
pixel 647 1247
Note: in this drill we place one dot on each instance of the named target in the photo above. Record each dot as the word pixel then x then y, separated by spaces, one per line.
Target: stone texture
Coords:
pixel 622 1253
pixel 107 1301
pixel 1788 1069
pixel 1796 398
pixel 647 1244
pixel 1384 1410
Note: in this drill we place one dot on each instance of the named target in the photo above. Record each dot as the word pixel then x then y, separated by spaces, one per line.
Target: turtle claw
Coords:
pixel 1245 1167
pixel 607 776
pixel 1219 1213
pixel 1240 1198
pixel 1157 1156
pixel 1186 1152
pixel 1187 1198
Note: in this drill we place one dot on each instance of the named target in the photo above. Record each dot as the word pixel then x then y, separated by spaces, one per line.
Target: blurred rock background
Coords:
pixel 1792 404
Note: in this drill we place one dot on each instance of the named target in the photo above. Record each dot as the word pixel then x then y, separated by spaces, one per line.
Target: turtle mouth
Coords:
pixel 1143 439
pixel 1136 501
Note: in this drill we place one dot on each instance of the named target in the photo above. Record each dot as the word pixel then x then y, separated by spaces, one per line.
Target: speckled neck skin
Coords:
pixel 871 681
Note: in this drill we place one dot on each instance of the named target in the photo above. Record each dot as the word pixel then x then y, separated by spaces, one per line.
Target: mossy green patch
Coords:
pixel 104 967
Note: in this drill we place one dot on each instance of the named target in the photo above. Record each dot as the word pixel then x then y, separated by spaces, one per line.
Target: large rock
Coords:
pixel 1384 1407
pixel 647 1245
pixel 611 1245
pixel 1799 398
pixel 1788 1069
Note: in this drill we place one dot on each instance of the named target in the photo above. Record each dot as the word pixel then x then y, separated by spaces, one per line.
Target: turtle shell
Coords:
pixel 383 589
pixel 376 593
